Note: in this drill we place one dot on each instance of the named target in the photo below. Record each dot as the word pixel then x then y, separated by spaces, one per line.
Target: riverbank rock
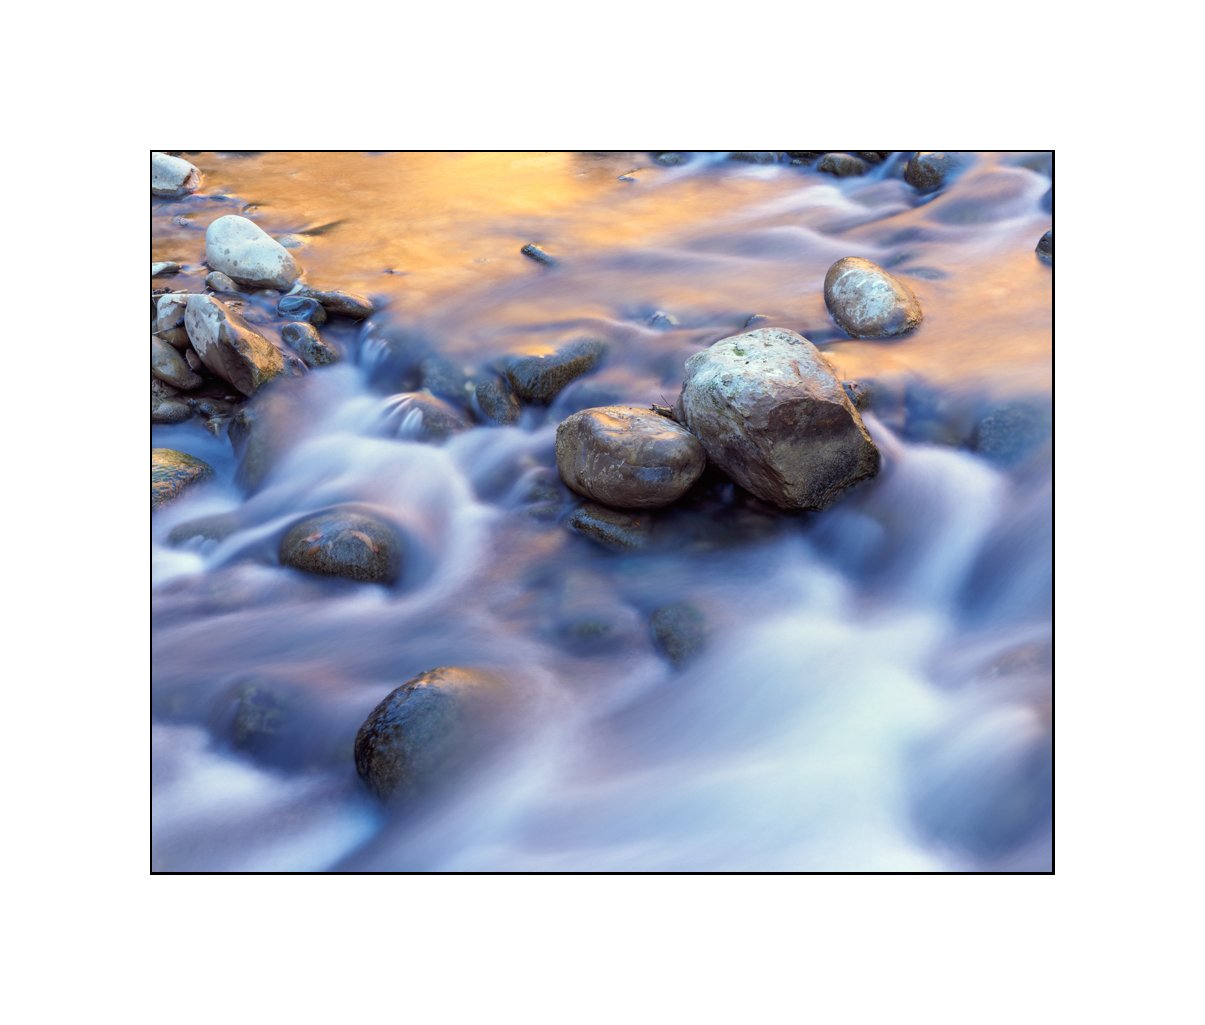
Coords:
pixel 345 304
pixel 169 318
pixel 170 367
pixel 540 378
pixel 313 349
pixel 173 471
pixel 173 176
pixel 627 457
pixel 867 302
pixel 244 251
pixel 343 543
pixel 229 346
pixel 772 415
pixel 1045 248
pixel 928 171
pixel 679 631
pixel 426 730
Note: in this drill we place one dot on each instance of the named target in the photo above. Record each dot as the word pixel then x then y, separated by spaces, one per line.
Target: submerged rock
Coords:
pixel 345 304
pixel 1045 247
pixel 169 366
pixel 754 156
pixel 663 321
pixel 427 730
pixel 420 416
pixel 172 176
pixel 842 165
pixel 343 543
pixel 496 403
pixel 313 349
pixel 444 378
pixel 627 457
pixel 240 248
pixel 173 471
pixel 1011 432
pixel 534 252
pixel 301 308
pixel 772 415
pixel 867 302
pixel 679 631
pixel 540 378
pixel 611 528
pixel 229 346
pixel 928 171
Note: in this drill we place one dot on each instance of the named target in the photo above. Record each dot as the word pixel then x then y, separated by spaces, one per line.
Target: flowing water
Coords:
pixel 875 692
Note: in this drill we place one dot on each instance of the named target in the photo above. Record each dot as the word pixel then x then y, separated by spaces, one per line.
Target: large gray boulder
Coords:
pixel 627 457
pixel 867 302
pixel 344 543
pixel 172 176
pixel 426 730
pixel 229 346
pixel 244 251
pixel 772 415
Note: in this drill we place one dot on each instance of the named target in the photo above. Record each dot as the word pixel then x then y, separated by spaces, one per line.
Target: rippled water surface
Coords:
pixel 876 688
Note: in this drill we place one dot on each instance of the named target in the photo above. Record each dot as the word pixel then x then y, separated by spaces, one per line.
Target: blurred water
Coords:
pixel 876 689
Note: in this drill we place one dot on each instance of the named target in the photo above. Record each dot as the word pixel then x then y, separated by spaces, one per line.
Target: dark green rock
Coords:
pixel 540 378
pixel 343 543
pixel 679 631
pixel 173 471
pixel 425 731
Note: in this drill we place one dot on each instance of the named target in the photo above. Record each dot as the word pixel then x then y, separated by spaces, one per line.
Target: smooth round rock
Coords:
pixel 773 416
pixel 302 308
pixel 345 304
pixel 173 471
pixel 627 457
pixel 346 544
pixel 240 248
pixel 928 171
pixel 219 282
pixel 867 302
pixel 842 165
pixel 172 176
pixel 426 730
pixel 1045 247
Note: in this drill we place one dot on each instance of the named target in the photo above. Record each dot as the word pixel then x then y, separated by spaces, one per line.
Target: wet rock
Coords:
pixel 496 403
pixel 755 320
pixel 241 249
pixel 229 346
pixel 928 171
pixel 166 405
pixel 842 165
pixel 313 349
pixel 773 416
pixel 754 156
pixel 670 159
pixel 193 360
pixel 343 543
pixel 804 156
pixel 540 378
pixel 159 270
pixel 264 430
pixel 627 457
pixel 859 393
pixel 301 308
pixel 173 471
pixel 420 416
pixel 219 282
pixel 291 241
pixel 344 304
pixel 444 378
pixel 170 367
pixel 679 631
pixel 874 156
pixel 427 731
pixel 663 321
pixel 1045 247
pixel 1010 433
pixel 534 252
pixel 611 528
pixel 868 302
pixel 169 320
pixel 172 176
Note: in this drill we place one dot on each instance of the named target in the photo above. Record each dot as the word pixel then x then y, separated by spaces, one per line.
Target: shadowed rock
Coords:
pixel 496 403
pixel 611 528
pixel 842 165
pixel 169 366
pixel 679 631
pixel 867 302
pixel 772 415
pixel 627 457
pixel 345 304
pixel 1045 248
pixel 540 378
pixel 342 543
